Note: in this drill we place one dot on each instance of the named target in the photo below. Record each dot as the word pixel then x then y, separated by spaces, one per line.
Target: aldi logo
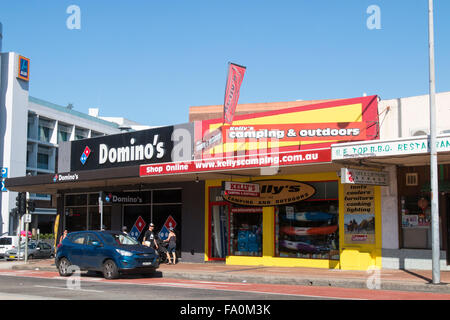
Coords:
pixel 85 155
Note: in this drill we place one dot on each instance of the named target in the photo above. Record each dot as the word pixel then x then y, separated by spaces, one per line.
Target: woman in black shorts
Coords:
pixel 172 240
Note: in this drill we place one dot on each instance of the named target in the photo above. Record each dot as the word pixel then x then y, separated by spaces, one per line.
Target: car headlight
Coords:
pixel 124 253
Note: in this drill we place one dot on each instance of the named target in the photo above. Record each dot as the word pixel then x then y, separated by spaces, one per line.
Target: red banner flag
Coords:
pixel 234 81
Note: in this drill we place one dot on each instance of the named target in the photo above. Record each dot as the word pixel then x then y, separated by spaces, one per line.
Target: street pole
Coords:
pixel 20 237
pixel 26 230
pixel 433 155
pixel 100 207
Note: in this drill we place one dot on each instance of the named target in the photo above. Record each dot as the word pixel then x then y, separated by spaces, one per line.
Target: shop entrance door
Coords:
pixel 219 226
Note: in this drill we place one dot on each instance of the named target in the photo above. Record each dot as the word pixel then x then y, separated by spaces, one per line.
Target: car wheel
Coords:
pixel 110 270
pixel 63 267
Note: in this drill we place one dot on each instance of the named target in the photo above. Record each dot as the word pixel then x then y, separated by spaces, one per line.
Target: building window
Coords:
pixel 45 130
pixel 44 134
pixel 309 229
pixel 42 161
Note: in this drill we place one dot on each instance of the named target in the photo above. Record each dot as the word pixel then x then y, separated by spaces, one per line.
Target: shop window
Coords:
pixel 76 200
pixel 246 232
pixel 164 217
pixel 76 218
pixel 167 196
pixel 416 222
pixel 309 229
pixel 94 218
pixel 93 199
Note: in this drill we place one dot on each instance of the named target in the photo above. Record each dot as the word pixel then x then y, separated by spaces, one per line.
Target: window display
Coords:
pixel 416 222
pixel 309 229
pixel 246 231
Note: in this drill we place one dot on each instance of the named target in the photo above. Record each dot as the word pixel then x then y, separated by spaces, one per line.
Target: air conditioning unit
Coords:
pixel 412 179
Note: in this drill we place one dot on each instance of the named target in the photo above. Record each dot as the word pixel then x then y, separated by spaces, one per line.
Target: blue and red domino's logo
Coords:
pixel 85 155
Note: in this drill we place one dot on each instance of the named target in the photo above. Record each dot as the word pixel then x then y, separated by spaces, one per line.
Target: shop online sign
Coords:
pixel 243 162
pixel 389 148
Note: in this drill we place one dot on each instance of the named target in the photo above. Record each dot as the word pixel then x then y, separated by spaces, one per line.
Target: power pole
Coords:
pixel 433 155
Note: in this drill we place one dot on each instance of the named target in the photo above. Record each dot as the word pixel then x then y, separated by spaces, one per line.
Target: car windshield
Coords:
pixel 119 238
pixel 30 246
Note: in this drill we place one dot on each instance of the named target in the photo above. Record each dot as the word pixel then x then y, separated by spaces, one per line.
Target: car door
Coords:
pixel 37 253
pixel 94 254
pixel 76 250
pixel 45 250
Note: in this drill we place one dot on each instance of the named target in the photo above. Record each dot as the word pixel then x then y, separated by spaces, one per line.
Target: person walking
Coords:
pixel 172 240
pixel 63 236
pixel 149 237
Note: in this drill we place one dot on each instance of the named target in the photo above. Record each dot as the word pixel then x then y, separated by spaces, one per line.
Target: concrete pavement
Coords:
pixel 401 280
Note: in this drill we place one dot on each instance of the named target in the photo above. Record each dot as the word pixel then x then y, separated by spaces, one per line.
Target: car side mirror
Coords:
pixel 96 243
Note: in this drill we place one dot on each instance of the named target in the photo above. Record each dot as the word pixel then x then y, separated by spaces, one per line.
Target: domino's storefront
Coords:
pixel 98 186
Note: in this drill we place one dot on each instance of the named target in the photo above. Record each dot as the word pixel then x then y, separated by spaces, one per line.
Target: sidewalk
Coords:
pixel 402 280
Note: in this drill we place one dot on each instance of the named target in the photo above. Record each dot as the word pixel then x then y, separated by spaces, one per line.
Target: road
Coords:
pixel 49 285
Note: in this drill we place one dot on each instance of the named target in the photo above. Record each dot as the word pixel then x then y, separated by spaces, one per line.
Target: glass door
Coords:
pixel 219 226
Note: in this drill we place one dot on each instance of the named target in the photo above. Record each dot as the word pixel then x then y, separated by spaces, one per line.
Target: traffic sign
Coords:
pixel 27 218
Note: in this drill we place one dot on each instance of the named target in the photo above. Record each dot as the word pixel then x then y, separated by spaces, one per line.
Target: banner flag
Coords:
pixel 234 81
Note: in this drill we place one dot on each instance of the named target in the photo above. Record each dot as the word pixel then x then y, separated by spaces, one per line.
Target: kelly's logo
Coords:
pixel 85 155
pixel 274 193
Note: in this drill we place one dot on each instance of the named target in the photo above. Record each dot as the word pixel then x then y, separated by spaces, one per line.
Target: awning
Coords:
pixel 410 151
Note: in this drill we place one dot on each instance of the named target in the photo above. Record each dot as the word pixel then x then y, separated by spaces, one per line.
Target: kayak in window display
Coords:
pixel 309 216
pixel 302 231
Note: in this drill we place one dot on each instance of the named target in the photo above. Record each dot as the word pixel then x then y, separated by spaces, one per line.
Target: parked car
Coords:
pixel 36 250
pixel 8 243
pixel 110 252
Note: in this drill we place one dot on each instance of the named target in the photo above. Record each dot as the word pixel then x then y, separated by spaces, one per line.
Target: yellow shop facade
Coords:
pixel 302 215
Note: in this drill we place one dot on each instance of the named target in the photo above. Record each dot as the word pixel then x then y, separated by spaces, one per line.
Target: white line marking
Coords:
pixel 87 290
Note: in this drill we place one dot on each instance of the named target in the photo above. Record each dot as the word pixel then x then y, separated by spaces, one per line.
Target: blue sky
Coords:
pixel 149 60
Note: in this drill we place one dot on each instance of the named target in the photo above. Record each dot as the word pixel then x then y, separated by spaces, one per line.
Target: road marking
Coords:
pixel 87 290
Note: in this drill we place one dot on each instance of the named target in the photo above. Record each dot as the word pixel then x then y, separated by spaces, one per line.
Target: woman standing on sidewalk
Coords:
pixel 172 240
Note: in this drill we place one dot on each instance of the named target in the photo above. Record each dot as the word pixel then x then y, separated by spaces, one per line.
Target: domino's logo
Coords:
pixel 108 197
pixel 55 178
pixel 85 155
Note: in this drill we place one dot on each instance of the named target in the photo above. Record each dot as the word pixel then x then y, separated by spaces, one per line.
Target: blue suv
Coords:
pixel 109 252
